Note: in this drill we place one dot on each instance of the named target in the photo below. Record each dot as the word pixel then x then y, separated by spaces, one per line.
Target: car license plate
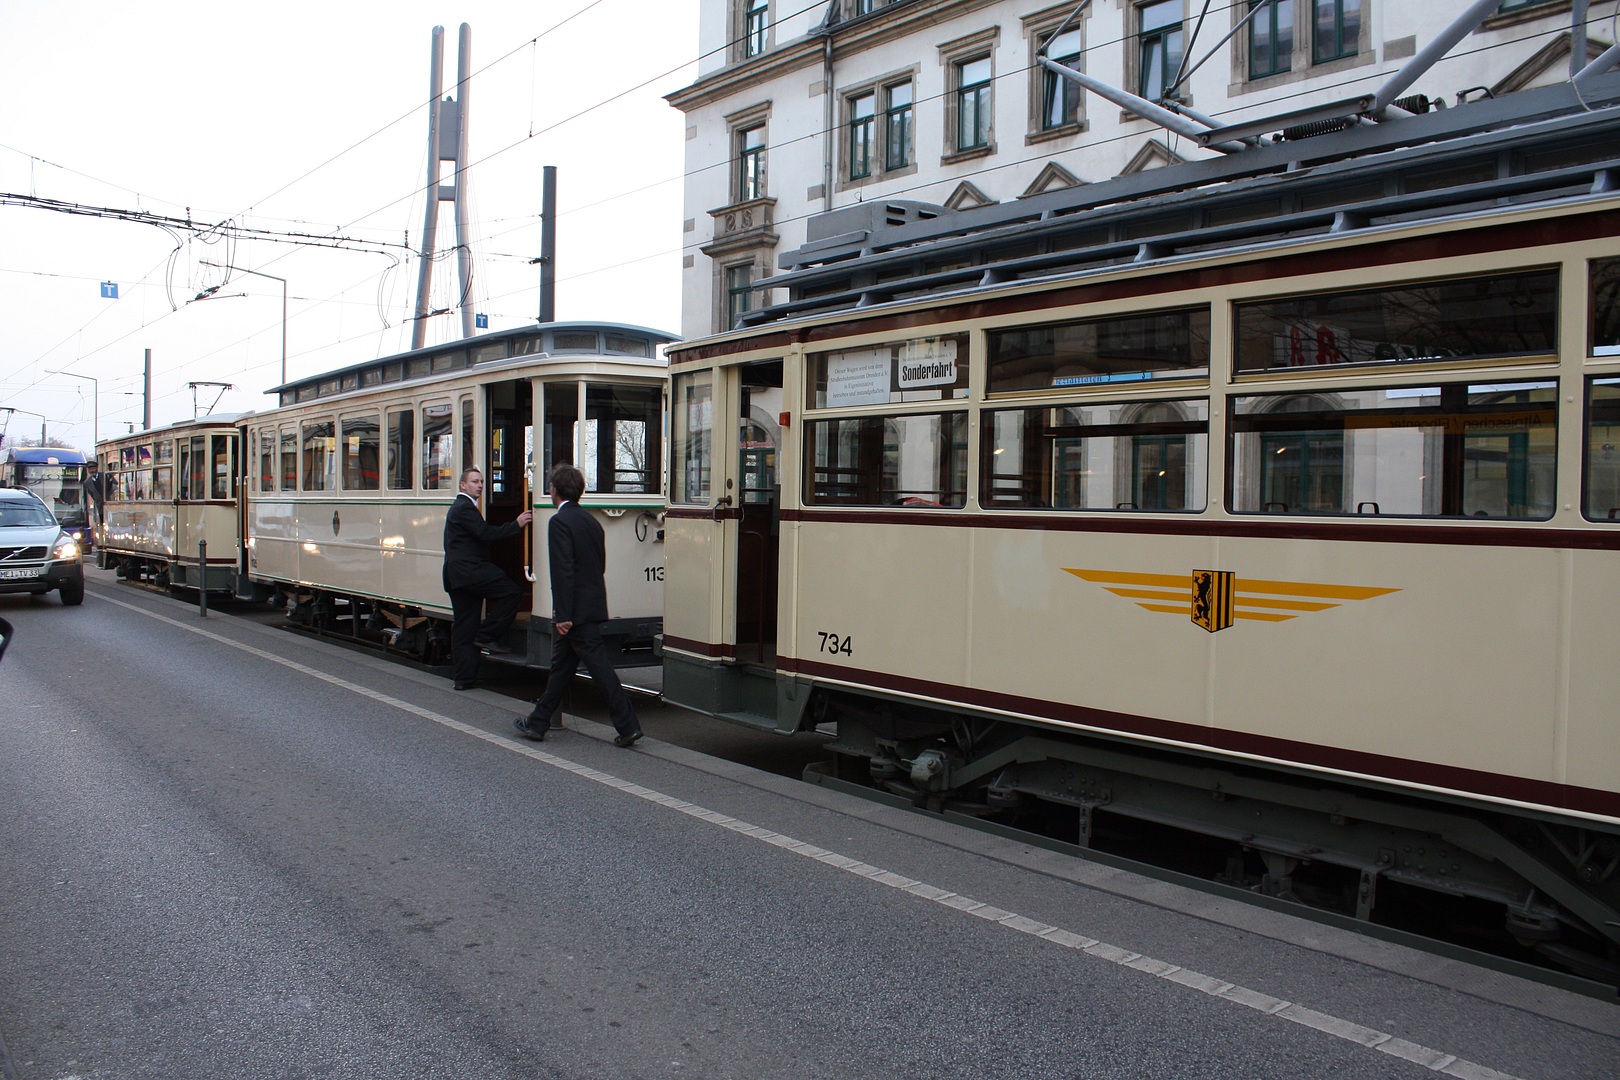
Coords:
pixel 23 572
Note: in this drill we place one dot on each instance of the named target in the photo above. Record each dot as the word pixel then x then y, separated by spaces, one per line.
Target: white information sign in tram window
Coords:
pixel 859 377
pixel 928 363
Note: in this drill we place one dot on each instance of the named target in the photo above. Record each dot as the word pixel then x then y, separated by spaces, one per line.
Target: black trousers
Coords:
pixel 469 625
pixel 583 645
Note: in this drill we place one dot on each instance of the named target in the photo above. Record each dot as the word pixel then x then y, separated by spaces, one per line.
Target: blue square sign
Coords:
pixel 109 290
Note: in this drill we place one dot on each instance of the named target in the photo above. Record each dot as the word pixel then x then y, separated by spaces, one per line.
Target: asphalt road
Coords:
pixel 230 852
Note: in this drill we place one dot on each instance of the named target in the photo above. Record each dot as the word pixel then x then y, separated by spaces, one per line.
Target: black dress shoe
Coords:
pixel 528 731
pixel 493 648
pixel 470 684
pixel 626 740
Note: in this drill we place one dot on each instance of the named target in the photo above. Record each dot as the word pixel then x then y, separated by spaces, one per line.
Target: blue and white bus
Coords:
pixel 57 475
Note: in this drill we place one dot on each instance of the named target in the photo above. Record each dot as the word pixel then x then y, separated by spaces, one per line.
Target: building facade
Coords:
pixel 800 109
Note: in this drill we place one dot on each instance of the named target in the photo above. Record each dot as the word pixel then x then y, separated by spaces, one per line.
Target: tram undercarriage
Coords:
pixel 1497 881
pixel 423 637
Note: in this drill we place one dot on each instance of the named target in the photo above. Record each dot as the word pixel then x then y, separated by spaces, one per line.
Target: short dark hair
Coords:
pixel 568 481
pixel 468 471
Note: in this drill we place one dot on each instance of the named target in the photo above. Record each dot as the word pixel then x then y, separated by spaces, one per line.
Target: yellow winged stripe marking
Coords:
pixel 1278 600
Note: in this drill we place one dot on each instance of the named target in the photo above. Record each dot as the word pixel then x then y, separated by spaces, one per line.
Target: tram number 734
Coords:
pixel 835 644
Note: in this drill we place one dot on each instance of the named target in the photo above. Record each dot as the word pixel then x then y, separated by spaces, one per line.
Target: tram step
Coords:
pixel 749 719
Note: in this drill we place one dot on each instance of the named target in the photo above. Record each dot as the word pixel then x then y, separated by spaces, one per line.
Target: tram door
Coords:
pixel 759 511
pixel 508 445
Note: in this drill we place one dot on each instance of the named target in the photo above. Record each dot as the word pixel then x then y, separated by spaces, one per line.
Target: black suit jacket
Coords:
pixel 578 566
pixel 466 544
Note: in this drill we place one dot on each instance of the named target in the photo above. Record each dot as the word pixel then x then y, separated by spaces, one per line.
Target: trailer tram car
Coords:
pixel 1263 511
pixel 169 509
pixel 350 478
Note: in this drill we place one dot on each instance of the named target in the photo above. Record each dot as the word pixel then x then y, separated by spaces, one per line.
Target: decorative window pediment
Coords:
pixel 1052 178
pixel 1155 155
pixel 967 197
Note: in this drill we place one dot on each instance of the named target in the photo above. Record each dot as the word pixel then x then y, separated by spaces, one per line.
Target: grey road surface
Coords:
pixel 227 852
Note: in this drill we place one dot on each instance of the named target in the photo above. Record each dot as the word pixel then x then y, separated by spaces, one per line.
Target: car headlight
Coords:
pixel 66 548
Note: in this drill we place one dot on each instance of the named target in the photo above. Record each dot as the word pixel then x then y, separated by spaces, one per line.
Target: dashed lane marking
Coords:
pixel 1436 1060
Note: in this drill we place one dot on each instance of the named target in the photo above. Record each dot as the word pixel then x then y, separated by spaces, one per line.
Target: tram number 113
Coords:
pixel 655 573
pixel 835 644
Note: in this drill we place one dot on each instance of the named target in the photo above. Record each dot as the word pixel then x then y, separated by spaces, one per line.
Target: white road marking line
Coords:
pixel 1435 1060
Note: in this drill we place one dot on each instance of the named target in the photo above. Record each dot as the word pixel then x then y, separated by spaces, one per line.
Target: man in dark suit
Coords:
pixel 471 579
pixel 579 611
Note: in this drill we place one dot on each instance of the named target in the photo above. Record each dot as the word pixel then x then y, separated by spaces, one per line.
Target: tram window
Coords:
pixel 1507 315
pixel 163 483
pixel 194 469
pixel 1142 455
pixel 320 456
pixel 622 424
pixel 918 459
pixel 493 351
pixel 222 467
pixel 1601 499
pixel 418 368
pixel 560 414
pixel 401 441
pixel 1482 451
pixel 289 459
pixel 438 445
pixel 574 341
pixel 924 369
pixel 467 459
pixel 629 346
pixel 1127 348
pixel 360 449
pixel 692 436
pixel 143 484
pixel 267 460
pixel 1604 297
pixel 162 452
pixel 449 361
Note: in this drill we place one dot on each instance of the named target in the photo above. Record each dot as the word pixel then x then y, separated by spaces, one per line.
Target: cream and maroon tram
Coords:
pixel 348 482
pixel 1272 500
pixel 168 504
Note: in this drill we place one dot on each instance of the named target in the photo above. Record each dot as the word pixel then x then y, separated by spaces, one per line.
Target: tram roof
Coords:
pixel 496 344
pixel 1534 146
pixel 211 420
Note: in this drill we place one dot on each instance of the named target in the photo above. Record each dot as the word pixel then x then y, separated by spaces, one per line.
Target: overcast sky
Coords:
pixel 311 118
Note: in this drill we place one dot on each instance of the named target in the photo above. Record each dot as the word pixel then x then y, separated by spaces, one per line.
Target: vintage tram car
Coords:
pixel 1268 501
pixel 347 483
pixel 169 512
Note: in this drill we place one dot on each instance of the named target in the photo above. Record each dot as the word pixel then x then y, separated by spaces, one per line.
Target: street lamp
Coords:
pixel 272 277
pixel 95 391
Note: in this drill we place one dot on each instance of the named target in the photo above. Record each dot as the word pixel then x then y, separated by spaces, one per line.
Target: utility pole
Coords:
pixel 548 244
pixel 146 395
